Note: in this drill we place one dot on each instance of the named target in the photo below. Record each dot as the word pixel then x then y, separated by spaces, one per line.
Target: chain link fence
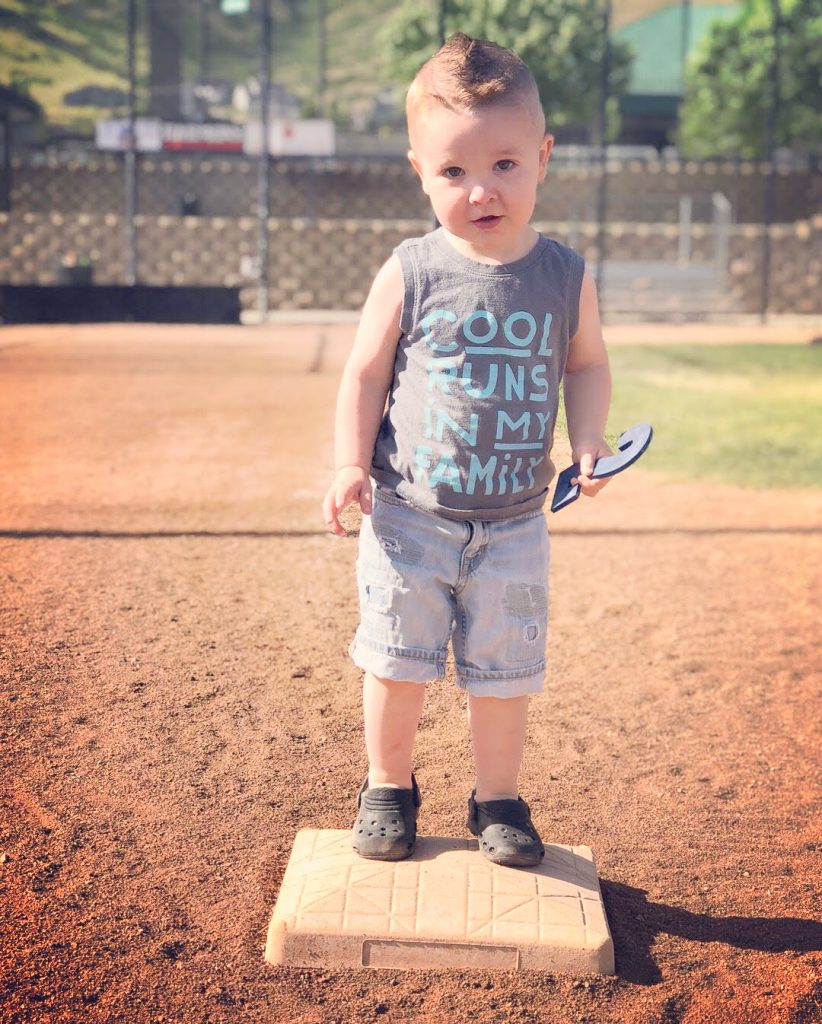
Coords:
pixel 669 238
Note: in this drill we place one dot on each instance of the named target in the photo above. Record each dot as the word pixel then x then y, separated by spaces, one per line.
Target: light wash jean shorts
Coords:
pixel 424 580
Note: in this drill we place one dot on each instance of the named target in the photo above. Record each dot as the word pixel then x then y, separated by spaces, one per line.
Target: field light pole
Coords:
pixel 264 167
pixel 322 56
pixel 205 40
pixel 602 195
pixel 685 39
pixel 131 145
pixel 441 12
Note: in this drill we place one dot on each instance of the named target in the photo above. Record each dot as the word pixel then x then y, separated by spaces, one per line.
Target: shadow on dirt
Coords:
pixel 635 923
pixel 57 534
pixel 48 534
pixel 687 531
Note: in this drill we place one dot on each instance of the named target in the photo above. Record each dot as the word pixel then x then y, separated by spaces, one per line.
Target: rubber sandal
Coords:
pixel 506 833
pixel 386 824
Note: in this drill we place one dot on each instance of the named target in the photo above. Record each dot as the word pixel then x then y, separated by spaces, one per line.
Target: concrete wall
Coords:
pixel 328 263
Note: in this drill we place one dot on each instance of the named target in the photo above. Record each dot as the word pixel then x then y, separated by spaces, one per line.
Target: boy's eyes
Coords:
pixel 458 172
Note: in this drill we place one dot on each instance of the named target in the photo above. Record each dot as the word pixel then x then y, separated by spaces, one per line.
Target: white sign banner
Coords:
pixel 309 137
pixel 112 133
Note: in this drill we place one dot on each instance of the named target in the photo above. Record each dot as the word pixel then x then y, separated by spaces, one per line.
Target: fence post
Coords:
pixel 686 205
pixel 722 221
pixel 264 167
pixel 5 162
pixel 442 11
pixel 131 146
pixel 770 147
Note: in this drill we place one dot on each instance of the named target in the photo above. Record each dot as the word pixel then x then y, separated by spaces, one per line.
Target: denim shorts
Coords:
pixel 424 580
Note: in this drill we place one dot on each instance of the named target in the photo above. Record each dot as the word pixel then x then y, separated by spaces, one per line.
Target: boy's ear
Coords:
pixel 412 159
pixel 545 155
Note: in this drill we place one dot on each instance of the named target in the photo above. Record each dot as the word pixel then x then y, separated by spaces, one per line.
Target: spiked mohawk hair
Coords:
pixel 467 74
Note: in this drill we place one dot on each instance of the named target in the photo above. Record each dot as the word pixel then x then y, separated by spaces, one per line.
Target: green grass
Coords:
pixel 749 415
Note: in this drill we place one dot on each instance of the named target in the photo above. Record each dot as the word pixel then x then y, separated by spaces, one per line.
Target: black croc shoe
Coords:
pixel 506 833
pixel 386 825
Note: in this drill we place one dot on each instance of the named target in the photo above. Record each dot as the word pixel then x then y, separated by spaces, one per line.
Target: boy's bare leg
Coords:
pixel 392 713
pixel 498 728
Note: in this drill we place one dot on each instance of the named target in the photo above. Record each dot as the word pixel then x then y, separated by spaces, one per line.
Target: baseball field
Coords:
pixel 176 698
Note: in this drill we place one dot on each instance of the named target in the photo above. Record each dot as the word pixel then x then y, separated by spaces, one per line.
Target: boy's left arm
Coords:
pixel 587 385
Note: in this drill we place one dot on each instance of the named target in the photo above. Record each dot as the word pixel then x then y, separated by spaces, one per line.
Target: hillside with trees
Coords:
pixel 348 59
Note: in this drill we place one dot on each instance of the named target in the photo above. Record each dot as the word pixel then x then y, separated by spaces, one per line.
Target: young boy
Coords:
pixel 467 332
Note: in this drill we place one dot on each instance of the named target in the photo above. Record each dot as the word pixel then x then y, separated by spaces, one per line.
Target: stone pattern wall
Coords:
pixel 328 264
pixel 796 267
pixel 640 191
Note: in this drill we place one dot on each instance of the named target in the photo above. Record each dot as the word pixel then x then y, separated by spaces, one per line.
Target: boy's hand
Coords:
pixel 586 455
pixel 351 484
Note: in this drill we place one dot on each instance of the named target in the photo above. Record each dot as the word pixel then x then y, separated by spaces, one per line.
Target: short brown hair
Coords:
pixel 467 74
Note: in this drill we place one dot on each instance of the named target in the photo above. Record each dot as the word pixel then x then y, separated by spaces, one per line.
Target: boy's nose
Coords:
pixel 479 194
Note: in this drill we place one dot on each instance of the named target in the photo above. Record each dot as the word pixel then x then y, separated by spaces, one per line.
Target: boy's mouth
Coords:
pixel 489 221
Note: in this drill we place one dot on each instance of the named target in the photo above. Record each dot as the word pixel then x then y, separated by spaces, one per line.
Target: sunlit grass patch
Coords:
pixel 744 414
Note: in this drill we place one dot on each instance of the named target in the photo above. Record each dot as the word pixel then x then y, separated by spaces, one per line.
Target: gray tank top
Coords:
pixel 469 425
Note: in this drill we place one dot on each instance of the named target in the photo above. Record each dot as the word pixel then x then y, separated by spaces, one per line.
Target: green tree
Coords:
pixel 560 40
pixel 728 88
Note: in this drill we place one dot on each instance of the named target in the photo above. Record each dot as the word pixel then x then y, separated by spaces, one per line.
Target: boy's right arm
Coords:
pixel 363 390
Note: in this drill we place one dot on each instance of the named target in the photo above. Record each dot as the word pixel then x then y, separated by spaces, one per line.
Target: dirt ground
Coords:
pixel 177 701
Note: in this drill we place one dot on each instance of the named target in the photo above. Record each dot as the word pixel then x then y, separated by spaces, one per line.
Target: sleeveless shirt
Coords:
pixel 469 424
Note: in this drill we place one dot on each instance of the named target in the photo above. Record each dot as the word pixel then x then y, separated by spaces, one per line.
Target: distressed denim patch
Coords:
pixel 376 599
pixel 400 547
pixel 527 606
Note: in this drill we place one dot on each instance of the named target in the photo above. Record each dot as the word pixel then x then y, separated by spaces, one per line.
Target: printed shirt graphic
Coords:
pixel 472 407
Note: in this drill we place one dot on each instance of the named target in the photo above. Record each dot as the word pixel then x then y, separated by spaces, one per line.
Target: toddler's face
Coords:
pixel 480 170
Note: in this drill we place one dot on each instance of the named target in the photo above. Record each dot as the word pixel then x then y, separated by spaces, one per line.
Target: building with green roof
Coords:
pixel 662 42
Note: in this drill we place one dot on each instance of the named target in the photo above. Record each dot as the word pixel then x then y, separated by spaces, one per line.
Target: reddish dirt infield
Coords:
pixel 176 701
